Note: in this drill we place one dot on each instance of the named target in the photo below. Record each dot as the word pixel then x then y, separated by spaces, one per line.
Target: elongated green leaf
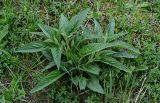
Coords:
pixel 47 30
pixel 50 65
pixel 125 45
pixel 93 84
pixel 56 53
pixel 77 20
pixel 35 46
pixel 113 62
pixel 95 47
pixel 47 80
pixel 63 24
pixel 124 55
pixel 94 69
pixel 98 28
pixel 107 52
pixel 92 48
pixel 82 83
pixel 111 26
pixel 3 32
pixel 116 36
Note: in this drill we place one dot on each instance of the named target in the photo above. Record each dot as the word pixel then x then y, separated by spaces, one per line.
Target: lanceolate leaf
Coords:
pixel 124 55
pixel 92 48
pixel 94 69
pixel 35 46
pixel 95 47
pixel 98 28
pixel 63 24
pixel 47 30
pixel 56 53
pixel 107 52
pixel 113 62
pixel 3 32
pixel 111 26
pixel 47 80
pixel 93 84
pixel 115 36
pixel 125 45
pixel 77 20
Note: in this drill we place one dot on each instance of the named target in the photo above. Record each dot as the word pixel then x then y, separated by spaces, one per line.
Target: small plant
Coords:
pixel 13 92
pixel 79 52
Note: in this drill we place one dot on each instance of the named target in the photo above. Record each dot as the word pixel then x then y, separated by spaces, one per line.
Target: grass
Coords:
pixel 19 73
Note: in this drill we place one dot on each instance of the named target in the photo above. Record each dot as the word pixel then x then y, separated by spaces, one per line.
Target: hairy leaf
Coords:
pixel 35 46
pixel 98 28
pixel 115 36
pixel 113 62
pixel 56 53
pixel 111 26
pixel 95 47
pixel 124 55
pixel 47 80
pixel 47 30
pixel 94 69
pixel 77 20
pixel 63 24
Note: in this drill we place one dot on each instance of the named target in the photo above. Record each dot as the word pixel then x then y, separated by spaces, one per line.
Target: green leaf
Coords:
pixel 98 28
pixel 63 24
pixel 82 83
pixel 48 31
pixel 107 52
pixel 91 48
pixel 111 26
pixel 94 69
pixel 93 84
pixel 124 55
pixel 47 80
pixel 50 65
pixel 77 20
pixel 116 36
pixel 3 32
pixel 113 62
pixel 95 47
pixel 35 46
pixel 56 53
pixel 125 45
